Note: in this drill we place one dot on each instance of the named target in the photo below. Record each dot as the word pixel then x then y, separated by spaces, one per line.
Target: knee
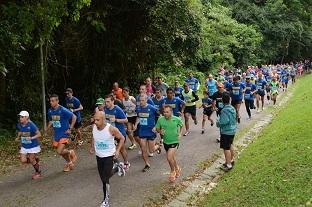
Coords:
pixel 24 160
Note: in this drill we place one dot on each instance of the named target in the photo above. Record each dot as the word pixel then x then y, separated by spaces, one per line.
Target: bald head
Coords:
pixel 99 119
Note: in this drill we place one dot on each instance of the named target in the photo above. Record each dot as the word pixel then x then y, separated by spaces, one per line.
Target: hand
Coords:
pixel 68 131
pixel 135 127
pixel 28 138
pixel 116 154
pixel 216 109
pixel 154 130
pixel 162 132
pixel 91 150
pixel 17 139
pixel 112 119
pixel 72 110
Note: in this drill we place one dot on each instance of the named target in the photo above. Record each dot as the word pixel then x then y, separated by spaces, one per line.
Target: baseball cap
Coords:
pixel 99 101
pixel 69 90
pixel 24 113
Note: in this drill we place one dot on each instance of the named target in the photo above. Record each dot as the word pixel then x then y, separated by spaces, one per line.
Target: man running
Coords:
pixel 161 86
pixel 227 125
pixel 211 85
pixel 177 89
pixel 117 91
pixel 28 135
pixel 261 85
pixel 115 116
pixel 190 98
pixel 103 145
pixel 74 105
pixel 130 106
pixel 59 118
pixel 146 118
pixel 207 106
pixel 249 95
pixel 175 103
pixel 217 103
pixel 236 91
pixel 170 127
pixel 192 82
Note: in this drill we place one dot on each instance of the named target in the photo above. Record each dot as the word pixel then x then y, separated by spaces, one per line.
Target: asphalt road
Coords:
pixel 83 187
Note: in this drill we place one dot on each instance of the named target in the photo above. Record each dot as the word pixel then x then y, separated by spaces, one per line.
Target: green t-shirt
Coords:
pixel 171 128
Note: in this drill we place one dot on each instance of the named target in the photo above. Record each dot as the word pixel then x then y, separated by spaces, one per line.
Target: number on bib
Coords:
pixel 56 124
pixel 143 121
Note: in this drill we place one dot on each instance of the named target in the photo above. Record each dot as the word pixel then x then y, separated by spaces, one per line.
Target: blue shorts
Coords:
pixel 261 93
pixel 148 137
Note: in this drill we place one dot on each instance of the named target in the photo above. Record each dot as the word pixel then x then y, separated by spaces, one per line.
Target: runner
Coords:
pixel 228 83
pixel 115 116
pixel 74 105
pixel 207 106
pixel 211 85
pixel 261 85
pixel 28 135
pixel 130 106
pixel 293 75
pixel 59 118
pixel 268 87
pixel 175 103
pixel 285 80
pixel 227 125
pixel 146 118
pixel 161 86
pixel 150 89
pixel 100 105
pixel 103 145
pixel 117 91
pixel 158 102
pixel 217 103
pixel 236 91
pixel 249 95
pixel 190 99
pixel 170 127
pixel 274 90
pixel 177 90
pixel 192 82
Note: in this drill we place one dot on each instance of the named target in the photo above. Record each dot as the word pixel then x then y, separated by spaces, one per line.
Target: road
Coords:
pixel 82 186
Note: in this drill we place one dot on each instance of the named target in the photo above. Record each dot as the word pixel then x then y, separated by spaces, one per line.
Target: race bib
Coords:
pixel 101 145
pixel 143 121
pixel 220 105
pixel 56 124
pixel 235 92
pixel 25 141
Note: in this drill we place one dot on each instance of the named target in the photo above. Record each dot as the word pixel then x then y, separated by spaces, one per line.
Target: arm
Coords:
pixel 92 149
pixel 80 108
pixel 73 121
pixel 195 97
pixel 37 135
pixel 224 119
pixel 117 135
pixel 18 137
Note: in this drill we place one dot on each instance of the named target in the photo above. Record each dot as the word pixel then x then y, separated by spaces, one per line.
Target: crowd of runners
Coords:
pixel 157 118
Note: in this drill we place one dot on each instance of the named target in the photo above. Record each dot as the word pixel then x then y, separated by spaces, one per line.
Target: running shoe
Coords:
pixel 127 166
pixel 258 110
pixel 71 165
pixel 151 154
pixel 121 169
pixel 226 168
pixel 195 122
pixel 186 133
pixel 146 168
pixel 105 203
pixel 158 149
pixel 218 140
pixel 36 176
pixel 161 142
pixel 238 120
pixel 211 124
pixel 139 152
pixel 131 147
pixel 203 131
pixel 66 168
pixel 172 177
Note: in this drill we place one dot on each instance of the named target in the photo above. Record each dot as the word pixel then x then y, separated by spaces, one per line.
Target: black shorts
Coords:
pixel 168 146
pixel 226 141
pixel 191 110
pixel 268 90
pixel 132 119
pixel 77 125
pixel 208 113
pixel 235 102
pixel 261 93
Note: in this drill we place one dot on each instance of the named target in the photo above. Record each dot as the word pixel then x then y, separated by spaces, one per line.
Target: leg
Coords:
pixel 262 102
pixel 247 105
pixel 257 101
pixel 130 132
pixel 211 121
pixel 61 150
pixel 78 133
pixel 33 161
pixel 105 166
pixel 143 145
pixel 124 154
pixel 171 159
pixel 24 158
pixel 203 123
pixel 228 158
pixel 232 153
pixel 237 107
pixel 187 125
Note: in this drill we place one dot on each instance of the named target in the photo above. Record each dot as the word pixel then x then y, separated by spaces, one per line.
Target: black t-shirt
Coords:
pixel 217 96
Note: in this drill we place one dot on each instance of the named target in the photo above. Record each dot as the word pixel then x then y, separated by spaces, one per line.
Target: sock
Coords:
pixel 229 165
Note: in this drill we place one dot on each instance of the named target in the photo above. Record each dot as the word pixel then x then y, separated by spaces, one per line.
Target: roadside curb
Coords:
pixel 204 183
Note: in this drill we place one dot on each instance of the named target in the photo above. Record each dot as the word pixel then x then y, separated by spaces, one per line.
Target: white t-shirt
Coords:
pixel 104 142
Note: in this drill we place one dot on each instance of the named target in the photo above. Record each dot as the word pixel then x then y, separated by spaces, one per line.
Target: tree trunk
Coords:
pixel 43 89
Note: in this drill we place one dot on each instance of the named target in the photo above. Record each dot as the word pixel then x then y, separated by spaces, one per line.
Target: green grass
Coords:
pixel 276 170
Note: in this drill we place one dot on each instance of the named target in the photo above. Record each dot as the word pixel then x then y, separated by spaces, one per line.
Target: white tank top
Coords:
pixel 130 106
pixel 104 142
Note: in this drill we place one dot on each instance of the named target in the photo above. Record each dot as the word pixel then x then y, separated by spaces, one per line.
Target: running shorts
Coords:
pixel 190 109
pixel 168 146
pixel 226 141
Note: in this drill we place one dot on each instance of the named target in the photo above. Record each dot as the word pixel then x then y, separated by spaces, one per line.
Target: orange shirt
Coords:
pixel 118 93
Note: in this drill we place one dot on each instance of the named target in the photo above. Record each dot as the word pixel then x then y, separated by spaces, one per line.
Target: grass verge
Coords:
pixel 276 169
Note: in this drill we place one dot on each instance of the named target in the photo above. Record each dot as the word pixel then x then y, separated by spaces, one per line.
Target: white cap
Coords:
pixel 24 113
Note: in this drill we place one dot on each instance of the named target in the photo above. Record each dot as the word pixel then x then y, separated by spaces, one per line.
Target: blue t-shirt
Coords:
pixel 211 86
pixel 207 104
pixel 60 118
pixel 175 103
pixel 237 91
pixel 74 103
pixel 147 117
pixel 285 79
pixel 261 84
pixel 116 113
pixel 250 87
pixel 193 83
pixel 178 91
pixel 158 104
pixel 269 79
pixel 228 85
pixel 28 130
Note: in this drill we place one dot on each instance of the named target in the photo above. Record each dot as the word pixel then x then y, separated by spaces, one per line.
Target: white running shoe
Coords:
pixel 151 154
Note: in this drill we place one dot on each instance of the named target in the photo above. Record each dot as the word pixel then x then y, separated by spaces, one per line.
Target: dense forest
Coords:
pixel 89 44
